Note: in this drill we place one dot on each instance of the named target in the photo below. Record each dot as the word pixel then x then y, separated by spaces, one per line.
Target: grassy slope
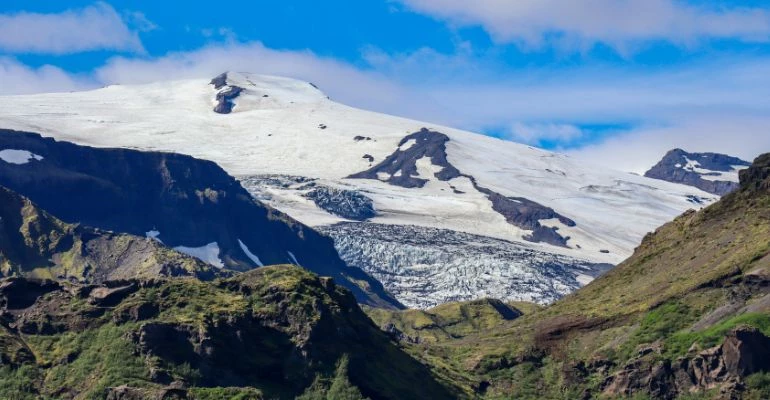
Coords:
pixel 687 284
pixel 447 321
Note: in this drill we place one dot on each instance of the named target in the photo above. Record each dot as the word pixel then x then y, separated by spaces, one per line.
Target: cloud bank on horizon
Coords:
pixel 618 23
pixel 617 82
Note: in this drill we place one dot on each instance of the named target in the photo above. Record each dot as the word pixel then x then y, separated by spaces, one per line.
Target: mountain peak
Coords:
pixel 712 172
pixel 242 91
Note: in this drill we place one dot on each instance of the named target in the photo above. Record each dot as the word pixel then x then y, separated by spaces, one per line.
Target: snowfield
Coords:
pixel 285 127
pixel 18 157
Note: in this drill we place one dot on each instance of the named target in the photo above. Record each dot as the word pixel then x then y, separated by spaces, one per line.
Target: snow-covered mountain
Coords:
pixel 434 213
pixel 712 172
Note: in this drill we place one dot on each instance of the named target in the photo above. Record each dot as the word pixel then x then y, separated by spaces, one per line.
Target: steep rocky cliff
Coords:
pixel 188 204
pixel 33 243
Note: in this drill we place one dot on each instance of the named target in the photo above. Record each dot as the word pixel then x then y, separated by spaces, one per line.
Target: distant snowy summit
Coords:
pixel 238 91
pixel 711 172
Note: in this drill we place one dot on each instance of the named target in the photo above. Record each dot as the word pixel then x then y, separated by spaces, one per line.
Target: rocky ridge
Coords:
pixel 712 172
pixel 189 205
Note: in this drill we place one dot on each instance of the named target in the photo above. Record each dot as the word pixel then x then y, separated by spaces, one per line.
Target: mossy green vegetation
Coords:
pixel 679 343
pixel 89 362
pixel 276 332
pixel 447 321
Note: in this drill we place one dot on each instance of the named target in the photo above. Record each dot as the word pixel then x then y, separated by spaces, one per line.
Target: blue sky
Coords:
pixel 589 78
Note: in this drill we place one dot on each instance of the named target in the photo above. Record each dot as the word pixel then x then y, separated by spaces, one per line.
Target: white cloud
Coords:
pixel 96 27
pixel 636 151
pixel 341 81
pixel 139 21
pixel 533 133
pixel 715 105
pixel 17 78
pixel 618 23
pixel 699 107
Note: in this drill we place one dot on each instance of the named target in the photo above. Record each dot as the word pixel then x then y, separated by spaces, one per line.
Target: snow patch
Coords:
pixel 18 157
pixel 584 279
pixel 153 234
pixel 208 253
pixel 710 175
pixel 407 145
pixel 293 259
pixel 426 169
pixel 252 256
pixel 731 176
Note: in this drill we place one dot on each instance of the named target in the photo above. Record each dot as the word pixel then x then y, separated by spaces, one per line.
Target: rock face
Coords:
pixel 226 94
pixel 743 352
pixel 757 176
pixel 188 204
pixel 36 244
pixel 401 166
pixel 275 332
pixel 710 172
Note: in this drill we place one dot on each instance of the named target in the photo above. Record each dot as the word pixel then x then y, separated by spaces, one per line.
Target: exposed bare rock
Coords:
pixel 104 296
pixel 758 175
pixel 400 169
pixel 743 352
pixel 710 172
pixel 401 166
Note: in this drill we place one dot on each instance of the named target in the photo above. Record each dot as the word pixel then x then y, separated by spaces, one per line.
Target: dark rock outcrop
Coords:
pixel 757 176
pixel 743 352
pixel 226 99
pixel 226 94
pixel 190 202
pixel 401 170
pixel 219 81
pixel 674 168
pixel 526 214
pixel 401 166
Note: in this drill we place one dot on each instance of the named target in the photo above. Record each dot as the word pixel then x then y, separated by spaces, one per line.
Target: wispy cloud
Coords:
pixel 96 27
pixel 342 81
pixel 534 133
pixel 618 23
pixel 17 78
pixel 716 105
pixel 740 135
